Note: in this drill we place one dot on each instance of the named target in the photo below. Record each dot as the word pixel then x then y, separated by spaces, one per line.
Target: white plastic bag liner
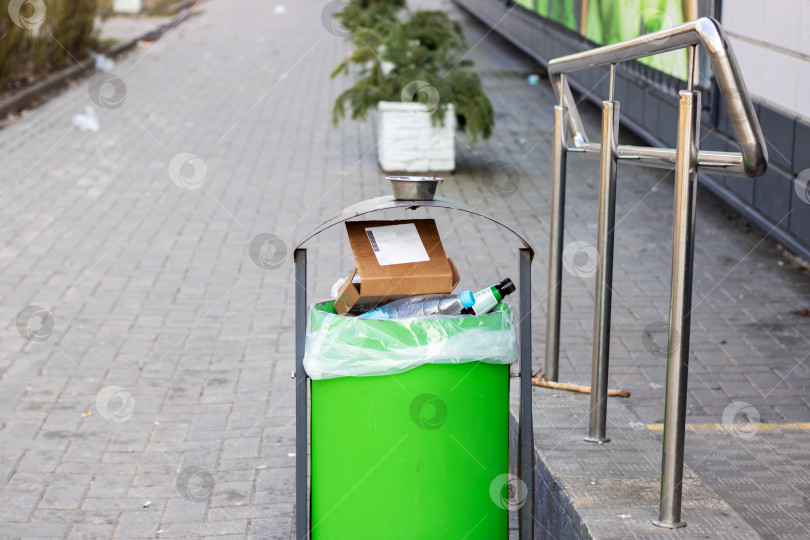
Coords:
pixel 342 346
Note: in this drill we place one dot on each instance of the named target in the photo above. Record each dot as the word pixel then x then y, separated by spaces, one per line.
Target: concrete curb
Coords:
pixel 60 78
pixel 583 490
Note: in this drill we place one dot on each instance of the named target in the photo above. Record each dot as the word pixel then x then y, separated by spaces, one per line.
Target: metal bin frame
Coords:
pixel 525 446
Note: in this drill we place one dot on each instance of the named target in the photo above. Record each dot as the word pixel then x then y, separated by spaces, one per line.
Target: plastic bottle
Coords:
pixel 487 299
pixel 422 306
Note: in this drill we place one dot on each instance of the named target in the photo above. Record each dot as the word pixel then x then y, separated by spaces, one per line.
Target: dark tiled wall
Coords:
pixel 770 201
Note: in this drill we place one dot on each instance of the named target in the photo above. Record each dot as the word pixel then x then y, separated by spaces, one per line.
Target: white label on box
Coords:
pixel 397 244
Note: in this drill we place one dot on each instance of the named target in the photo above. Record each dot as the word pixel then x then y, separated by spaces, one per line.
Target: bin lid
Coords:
pixel 388 202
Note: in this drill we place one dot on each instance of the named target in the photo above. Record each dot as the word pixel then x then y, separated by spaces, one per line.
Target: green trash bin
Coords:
pixel 409 425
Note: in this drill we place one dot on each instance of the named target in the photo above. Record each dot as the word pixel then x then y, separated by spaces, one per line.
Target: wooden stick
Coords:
pixel 581 388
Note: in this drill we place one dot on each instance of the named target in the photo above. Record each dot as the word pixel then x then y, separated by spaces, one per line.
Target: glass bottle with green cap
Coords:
pixel 487 299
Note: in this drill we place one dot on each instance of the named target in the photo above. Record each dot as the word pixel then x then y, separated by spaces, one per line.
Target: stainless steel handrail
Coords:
pixel 709 161
pixel 753 157
pixel 687 160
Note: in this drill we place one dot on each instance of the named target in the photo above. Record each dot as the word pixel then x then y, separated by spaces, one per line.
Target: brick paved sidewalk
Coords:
pixel 160 404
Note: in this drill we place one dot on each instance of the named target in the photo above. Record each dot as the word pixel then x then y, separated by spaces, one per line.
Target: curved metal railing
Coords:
pixel 753 158
pixel 687 160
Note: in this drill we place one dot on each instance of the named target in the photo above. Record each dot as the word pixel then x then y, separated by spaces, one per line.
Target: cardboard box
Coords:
pixel 394 259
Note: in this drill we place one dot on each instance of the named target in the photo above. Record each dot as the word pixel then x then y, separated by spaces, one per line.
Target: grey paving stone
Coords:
pixel 63 496
pixel 109 485
pixel 275 524
pixel 35 530
pixel 182 510
pixel 138 524
pixel 119 504
pixel 91 531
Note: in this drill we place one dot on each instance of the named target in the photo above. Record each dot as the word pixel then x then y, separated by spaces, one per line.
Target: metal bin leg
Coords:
pixel 525 423
pixel 301 456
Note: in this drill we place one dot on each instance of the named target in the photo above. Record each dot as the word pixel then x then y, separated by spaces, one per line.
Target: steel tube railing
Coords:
pixel 558 166
pixel 707 32
pixel 604 273
pixel 687 160
pixel 709 161
pixel 683 252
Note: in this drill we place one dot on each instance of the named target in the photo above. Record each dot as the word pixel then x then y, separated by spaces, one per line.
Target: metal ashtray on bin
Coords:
pixel 390 454
pixel 414 188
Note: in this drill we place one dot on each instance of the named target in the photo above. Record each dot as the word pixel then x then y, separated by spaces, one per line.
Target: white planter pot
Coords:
pixel 127 6
pixel 409 142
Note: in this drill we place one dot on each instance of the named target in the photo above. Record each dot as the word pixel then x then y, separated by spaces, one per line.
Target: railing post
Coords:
pixel 301 459
pixel 604 274
pixel 555 267
pixel 526 424
pixel 683 250
pixel 687 159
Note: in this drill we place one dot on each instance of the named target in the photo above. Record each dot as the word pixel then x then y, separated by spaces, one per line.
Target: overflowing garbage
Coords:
pixel 396 309
pixel 465 303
